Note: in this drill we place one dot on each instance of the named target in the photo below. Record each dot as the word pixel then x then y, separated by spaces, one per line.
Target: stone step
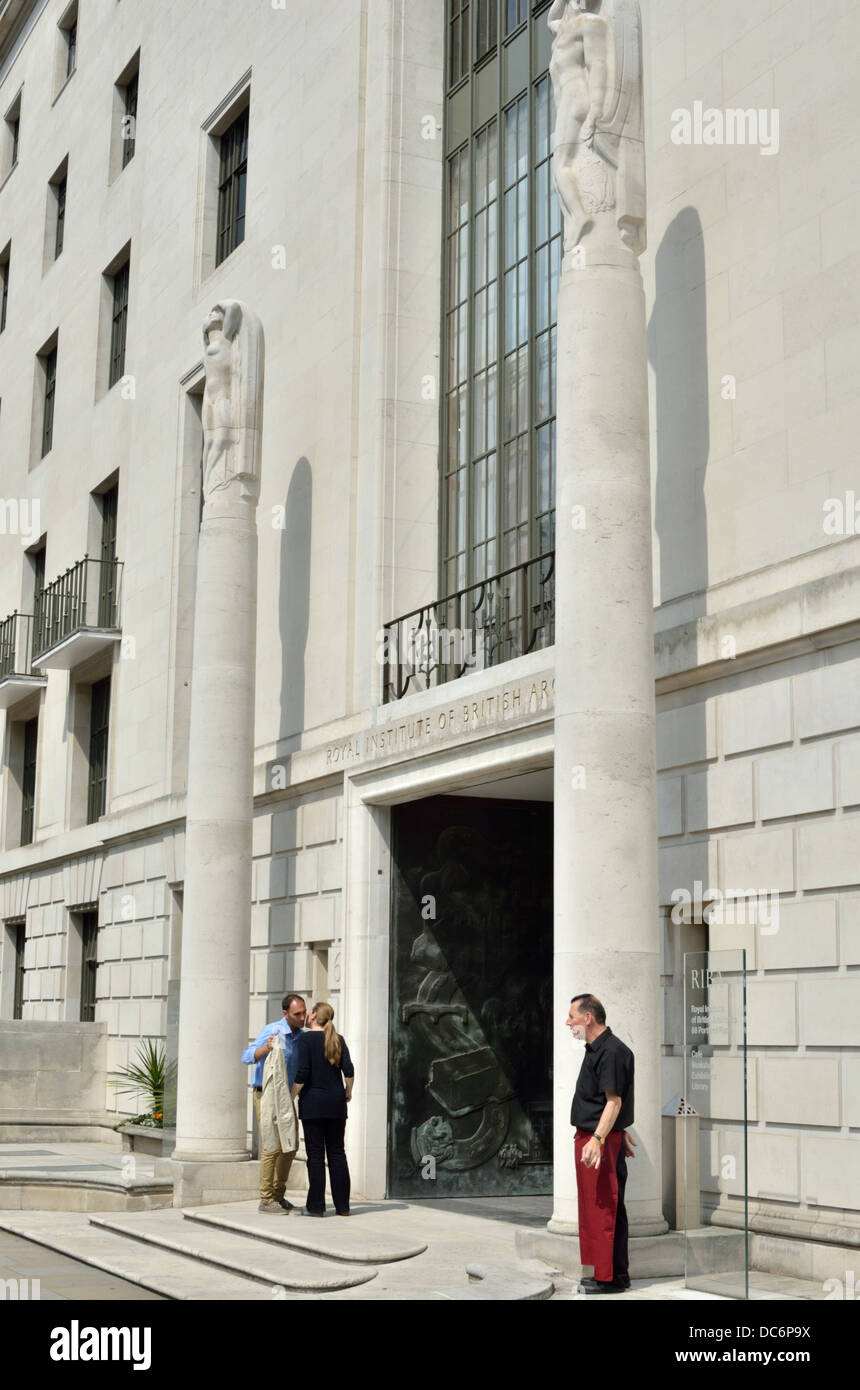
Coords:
pixel 149 1266
pixel 241 1255
pixel 61 1191
pixel 352 1241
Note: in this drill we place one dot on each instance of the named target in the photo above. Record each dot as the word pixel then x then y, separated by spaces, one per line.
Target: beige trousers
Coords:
pixel 274 1166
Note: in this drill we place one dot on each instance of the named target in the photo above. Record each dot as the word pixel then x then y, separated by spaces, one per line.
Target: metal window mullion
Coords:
pixel 532 315
pixel 470 330
pixel 500 305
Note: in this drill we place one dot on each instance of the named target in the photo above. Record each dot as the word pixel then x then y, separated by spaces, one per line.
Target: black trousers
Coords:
pixel 324 1140
pixel 620 1270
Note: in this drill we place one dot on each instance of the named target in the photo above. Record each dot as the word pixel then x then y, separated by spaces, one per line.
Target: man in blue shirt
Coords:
pixel 275 1164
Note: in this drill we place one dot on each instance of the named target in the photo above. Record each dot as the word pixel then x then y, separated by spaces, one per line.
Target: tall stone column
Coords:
pixel 606 922
pixel 216 934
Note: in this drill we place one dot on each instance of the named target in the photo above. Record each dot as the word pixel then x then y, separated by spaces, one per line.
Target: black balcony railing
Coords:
pixel 16 652
pixel 86 596
pixel 502 617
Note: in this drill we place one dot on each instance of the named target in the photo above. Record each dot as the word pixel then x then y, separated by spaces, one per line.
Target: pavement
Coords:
pixel 445 1250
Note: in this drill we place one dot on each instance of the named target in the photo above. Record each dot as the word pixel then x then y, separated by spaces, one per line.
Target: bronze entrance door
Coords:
pixel 470 1036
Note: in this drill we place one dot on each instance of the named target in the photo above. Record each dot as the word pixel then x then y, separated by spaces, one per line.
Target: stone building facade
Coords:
pixel 752 278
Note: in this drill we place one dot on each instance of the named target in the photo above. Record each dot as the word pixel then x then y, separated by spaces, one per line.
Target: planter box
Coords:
pixel 142 1139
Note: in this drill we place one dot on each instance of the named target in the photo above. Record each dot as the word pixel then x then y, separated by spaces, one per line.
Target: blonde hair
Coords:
pixel 331 1048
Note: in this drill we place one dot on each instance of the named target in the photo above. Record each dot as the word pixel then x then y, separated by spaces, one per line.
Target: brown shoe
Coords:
pixel 272 1207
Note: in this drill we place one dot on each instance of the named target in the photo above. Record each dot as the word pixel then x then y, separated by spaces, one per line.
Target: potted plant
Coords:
pixel 150 1075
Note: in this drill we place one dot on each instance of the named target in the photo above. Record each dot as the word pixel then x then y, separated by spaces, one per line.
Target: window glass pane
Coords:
pixel 479 501
pixel 492 408
pixel 511 226
pixel 502 220
pixel 541 120
pixel 522 218
pixel 510 145
pixel 510 420
pixel 541 289
pixel 523 389
pixel 481 249
pixel 523 137
pixel 510 310
pixel 492 242
pixel 523 301
pixel 492 327
pixel 542 403
pixel 480 331
pixel 541 203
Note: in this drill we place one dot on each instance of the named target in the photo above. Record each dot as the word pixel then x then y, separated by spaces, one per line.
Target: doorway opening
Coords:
pixel 470 1042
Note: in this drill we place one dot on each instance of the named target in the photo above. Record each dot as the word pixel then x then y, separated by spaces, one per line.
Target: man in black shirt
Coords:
pixel 601 1111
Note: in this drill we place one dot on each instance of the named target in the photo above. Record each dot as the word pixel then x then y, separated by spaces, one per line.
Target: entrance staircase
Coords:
pixel 234 1252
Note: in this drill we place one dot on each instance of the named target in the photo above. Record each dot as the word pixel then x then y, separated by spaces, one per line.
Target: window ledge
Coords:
pixel 4 182
pixel 64 86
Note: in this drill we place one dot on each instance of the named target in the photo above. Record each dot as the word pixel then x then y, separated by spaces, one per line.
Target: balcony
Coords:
pixel 78 614
pixel 18 677
pixel 491 622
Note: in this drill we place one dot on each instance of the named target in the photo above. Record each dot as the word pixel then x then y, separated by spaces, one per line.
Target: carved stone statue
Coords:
pixel 596 71
pixel 233 399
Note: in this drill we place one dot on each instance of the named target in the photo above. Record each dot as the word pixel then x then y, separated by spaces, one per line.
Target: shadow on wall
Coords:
pixel 294 597
pixel 678 352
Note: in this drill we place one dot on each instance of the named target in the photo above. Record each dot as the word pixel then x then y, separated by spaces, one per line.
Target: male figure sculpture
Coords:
pixel 596 71
pixel 233 359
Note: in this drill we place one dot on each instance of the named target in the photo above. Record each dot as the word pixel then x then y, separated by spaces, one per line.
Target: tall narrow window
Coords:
pixel 108 569
pixel 49 368
pixel 129 121
pixel 60 194
pixel 232 187
pixel 516 13
pixel 71 47
pixel 119 320
pixel 20 943
pixel 89 964
pixel 502 261
pixel 38 585
pixel 487 28
pixel 99 711
pixel 15 128
pixel 4 287
pixel 28 782
pixel 458 41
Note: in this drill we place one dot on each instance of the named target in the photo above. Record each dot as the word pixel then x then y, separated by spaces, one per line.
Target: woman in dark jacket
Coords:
pixel 324 1080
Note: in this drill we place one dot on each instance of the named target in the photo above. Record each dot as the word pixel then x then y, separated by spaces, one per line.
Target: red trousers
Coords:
pixel 597 1189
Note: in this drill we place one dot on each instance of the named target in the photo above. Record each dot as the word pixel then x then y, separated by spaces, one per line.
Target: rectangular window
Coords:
pixel 89 964
pixel 503 245
pixel 10 144
pixel 458 41
pixel 60 194
pixel 28 784
pixel 38 559
pixel 4 287
pixel 20 942
pixel 71 47
pixel 108 568
pixel 49 368
pixel 516 13
pixel 487 28
pixel 99 712
pixel 129 121
pixel 119 320
pixel 232 186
